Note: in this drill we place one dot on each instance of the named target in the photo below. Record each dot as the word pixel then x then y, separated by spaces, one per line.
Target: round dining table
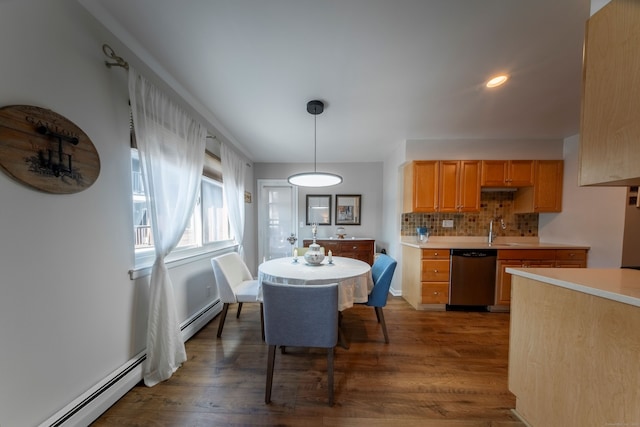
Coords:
pixel 353 276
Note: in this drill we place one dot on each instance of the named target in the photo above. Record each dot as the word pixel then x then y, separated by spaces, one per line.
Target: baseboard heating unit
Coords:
pixel 95 401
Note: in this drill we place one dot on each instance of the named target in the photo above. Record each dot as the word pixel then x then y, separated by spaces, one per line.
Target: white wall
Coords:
pixel 484 149
pixel 69 315
pixel 358 178
pixel 592 216
pixel 392 210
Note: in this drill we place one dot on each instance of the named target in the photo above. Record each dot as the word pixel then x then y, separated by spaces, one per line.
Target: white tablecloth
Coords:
pixel 353 276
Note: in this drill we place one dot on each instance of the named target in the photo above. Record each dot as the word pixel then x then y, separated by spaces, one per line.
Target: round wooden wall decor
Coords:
pixel 44 150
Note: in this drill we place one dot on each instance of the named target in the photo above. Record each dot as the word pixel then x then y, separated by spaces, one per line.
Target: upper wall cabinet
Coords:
pixel 610 122
pixel 421 180
pixel 459 189
pixel 507 173
pixel 546 193
pixel 454 185
pixel 442 186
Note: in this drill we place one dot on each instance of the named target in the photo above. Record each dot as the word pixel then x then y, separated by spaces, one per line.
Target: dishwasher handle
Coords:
pixel 474 253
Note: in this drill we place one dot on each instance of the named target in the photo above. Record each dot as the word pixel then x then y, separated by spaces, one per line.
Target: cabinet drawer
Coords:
pixel 527 254
pixel 330 246
pixel 435 270
pixel 435 293
pixel 571 254
pixel 435 253
pixel 355 247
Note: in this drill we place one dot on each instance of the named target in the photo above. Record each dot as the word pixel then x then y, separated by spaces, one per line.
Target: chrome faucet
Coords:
pixel 492 235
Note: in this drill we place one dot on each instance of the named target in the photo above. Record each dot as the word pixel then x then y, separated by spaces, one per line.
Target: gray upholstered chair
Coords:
pixel 300 316
pixel 235 285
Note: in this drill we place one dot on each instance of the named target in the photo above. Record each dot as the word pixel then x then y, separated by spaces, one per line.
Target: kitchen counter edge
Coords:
pixel 616 284
pixel 484 245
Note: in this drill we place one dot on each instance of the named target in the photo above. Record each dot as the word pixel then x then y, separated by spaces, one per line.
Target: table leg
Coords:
pixel 342 340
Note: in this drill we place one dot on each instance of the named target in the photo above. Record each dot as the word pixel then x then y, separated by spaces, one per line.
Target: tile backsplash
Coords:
pixel 492 205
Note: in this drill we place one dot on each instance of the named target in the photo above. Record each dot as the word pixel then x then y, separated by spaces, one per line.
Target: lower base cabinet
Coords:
pixel 533 258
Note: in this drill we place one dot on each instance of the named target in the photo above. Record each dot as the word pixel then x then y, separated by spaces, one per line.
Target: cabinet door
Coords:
pixel 435 292
pixel 494 173
pixel 548 186
pixel 609 130
pixel 469 186
pixel 520 173
pixel 459 186
pixel 503 285
pixel 448 189
pixel 507 173
pixel 435 270
pixel 571 258
pixel 421 187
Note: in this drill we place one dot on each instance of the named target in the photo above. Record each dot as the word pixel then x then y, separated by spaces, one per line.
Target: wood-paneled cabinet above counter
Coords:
pixel 610 121
pixel 507 173
pixel 455 185
pixel 442 186
pixel 546 193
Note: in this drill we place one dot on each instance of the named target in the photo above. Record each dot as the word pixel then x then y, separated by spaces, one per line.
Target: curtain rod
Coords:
pixel 119 62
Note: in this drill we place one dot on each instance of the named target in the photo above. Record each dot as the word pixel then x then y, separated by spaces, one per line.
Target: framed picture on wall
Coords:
pixel 319 209
pixel 348 209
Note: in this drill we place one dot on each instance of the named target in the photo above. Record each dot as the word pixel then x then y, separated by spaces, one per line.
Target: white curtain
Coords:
pixel 233 185
pixel 171 148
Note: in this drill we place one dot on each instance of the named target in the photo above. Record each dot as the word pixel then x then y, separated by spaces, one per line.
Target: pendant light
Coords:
pixel 315 178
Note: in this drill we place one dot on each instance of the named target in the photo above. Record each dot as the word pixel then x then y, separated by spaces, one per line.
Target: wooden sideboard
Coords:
pixel 362 249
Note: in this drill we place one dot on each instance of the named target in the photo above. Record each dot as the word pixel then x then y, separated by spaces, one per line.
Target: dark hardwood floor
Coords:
pixel 441 369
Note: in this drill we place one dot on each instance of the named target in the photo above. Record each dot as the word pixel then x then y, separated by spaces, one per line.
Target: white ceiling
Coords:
pixel 387 70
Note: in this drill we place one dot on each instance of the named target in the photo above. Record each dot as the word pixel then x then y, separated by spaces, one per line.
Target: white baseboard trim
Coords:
pixel 95 401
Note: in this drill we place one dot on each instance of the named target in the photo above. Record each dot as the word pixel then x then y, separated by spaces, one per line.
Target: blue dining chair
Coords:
pixel 382 271
pixel 300 316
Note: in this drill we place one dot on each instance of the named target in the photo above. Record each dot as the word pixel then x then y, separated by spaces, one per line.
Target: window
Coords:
pixel 208 228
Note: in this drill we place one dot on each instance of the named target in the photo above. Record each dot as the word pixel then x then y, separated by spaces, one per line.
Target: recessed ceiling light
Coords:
pixel 497 80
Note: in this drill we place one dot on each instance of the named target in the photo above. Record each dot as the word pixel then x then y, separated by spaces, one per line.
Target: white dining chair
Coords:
pixel 235 285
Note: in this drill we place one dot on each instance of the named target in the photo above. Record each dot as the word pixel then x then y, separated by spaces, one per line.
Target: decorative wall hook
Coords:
pixel 119 62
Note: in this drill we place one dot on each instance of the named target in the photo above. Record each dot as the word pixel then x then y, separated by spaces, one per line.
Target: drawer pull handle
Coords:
pixel 435 253
pixel 435 271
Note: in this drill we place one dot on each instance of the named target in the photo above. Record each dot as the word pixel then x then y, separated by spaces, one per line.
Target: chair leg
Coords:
pixel 330 374
pixel 382 322
pixel 223 316
pixel 270 362
pixel 377 314
pixel 262 320
pixel 239 309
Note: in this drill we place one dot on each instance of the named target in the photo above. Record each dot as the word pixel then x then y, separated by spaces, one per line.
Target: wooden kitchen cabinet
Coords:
pixel 546 193
pixel 610 120
pixel 362 249
pixel 571 258
pixel 442 186
pixel 434 275
pixel 421 186
pixel 507 173
pixel 459 189
pixel 532 258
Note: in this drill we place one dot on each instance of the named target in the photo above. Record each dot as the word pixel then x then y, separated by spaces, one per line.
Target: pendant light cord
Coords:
pixel 315 140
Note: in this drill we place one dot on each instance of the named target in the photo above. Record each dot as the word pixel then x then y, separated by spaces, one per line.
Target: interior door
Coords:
pixel 277 218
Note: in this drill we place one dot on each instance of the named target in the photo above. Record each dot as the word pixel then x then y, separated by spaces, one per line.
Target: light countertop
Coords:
pixel 620 284
pixel 481 243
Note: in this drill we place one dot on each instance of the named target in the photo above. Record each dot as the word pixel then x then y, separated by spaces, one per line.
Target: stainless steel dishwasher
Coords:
pixel 473 277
